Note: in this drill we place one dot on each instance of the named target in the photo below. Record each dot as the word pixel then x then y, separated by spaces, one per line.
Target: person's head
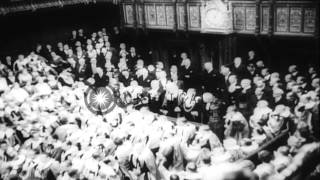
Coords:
pixel 99 71
pixel 173 69
pixel 151 68
pixel 79 50
pixel 265 72
pixel 100 34
pixel 251 67
pixel 260 84
pixel 89 47
pixel 140 63
pixel 224 70
pixel 74 33
pixel 20 57
pixel 237 61
pixel 89 42
pixel 301 80
pixel 116 29
pixel 258 92
pixel 184 55
pixel 132 50
pixel 60 45
pixel 125 73
pixel 94 35
pixel 107 44
pixel 66 47
pixel 100 40
pixel 292 69
pixel 260 64
pixel 159 65
pixel 78 44
pixel 191 92
pixel 106 38
pixel 233 79
pixel 122 46
pixel 104 50
pixel 311 70
pixel 8 59
pixel 245 83
pixel 144 72
pixel 80 31
pixel 81 61
pixel 251 54
pixel 277 93
pixel 70 52
pixel 208 66
pixel 315 83
pixel 72 61
pixel 98 46
pixel 296 89
pixel 53 54
pixel 288 78
pixel 283 150
pixel 134 83
pixel 187 63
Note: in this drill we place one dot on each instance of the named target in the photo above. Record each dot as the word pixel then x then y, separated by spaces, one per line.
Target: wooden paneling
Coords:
pixel 244 17
pixel 181 14
pixel 194 16
pixel 265 17
pixel 309 20
pixel 282 19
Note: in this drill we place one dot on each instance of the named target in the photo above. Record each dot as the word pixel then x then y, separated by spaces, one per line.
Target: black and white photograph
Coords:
pixel 159 90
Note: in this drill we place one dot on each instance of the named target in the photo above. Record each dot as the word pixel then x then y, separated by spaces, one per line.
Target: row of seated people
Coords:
pixel 44 114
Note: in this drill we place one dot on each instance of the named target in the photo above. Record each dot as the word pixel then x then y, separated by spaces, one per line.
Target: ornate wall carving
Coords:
pixel 216 17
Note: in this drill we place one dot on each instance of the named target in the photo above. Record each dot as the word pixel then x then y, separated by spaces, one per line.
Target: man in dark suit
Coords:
pixel 225 71
pixel 112 53
pixel 101 60
pixel 73 38
pixel 252 59
pixel 187 74
pixel 82 70
pixel 132 58
pixel 238 68
pixel 278 98
pixel 125 78
pixel 59 50
pixel 212 81
pixel 258 95
pixel 100 79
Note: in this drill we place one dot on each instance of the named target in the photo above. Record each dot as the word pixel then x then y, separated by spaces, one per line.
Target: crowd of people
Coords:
pixel 221 116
